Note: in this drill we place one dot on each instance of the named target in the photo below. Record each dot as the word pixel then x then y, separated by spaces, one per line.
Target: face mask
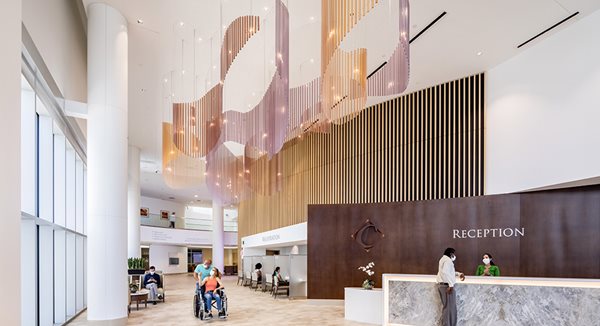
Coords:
pixel 151 272
pixel 486 260
pixel 212 273
pixel 453 258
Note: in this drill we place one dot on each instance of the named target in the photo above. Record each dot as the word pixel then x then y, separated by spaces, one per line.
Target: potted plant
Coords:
pixel 133 287
pixel 136 266
pixel 368 284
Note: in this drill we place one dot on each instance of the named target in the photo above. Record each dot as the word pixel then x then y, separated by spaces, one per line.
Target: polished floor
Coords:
pixel 246 307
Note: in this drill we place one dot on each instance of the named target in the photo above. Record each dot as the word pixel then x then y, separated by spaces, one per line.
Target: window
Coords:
pixel 53 204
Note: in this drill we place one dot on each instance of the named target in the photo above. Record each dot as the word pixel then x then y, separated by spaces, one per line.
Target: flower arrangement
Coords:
pixel 368 284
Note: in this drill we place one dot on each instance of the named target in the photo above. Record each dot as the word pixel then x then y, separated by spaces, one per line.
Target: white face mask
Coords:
pixel 486 260
pixel 453 258
pixel 151 272
pixel 212 273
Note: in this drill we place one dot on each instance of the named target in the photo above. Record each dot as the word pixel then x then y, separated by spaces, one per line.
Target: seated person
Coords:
pixel 152 283
pixel 212 283
pixel 277 278
pixel 488 268
pixel 258 273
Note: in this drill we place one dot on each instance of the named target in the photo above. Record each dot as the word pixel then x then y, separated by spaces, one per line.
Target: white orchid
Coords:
pixel 367 268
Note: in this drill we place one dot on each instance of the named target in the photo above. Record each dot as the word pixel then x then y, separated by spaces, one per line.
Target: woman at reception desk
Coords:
pixel 488 268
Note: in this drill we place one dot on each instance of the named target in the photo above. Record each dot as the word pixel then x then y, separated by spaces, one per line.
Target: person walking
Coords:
pixel 172 220
pixel 446 278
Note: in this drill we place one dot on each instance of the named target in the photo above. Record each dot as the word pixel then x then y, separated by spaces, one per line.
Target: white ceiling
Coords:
pixel 446 52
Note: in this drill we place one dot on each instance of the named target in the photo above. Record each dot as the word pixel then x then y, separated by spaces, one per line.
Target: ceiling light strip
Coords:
pixel 548 29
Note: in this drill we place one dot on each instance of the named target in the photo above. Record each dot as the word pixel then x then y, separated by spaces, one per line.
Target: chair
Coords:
pixel 247 279
pixel 255 283
pixel 161 289
pixel 277 287
pixel 240 279
pixel 268 285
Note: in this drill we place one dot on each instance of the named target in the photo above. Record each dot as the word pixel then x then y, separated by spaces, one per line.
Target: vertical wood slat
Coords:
pixel 424 145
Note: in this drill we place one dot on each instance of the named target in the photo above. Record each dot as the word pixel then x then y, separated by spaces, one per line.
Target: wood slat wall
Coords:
pixel 424 145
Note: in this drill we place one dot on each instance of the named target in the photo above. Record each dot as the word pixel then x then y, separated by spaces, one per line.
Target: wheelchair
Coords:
pixel 199 309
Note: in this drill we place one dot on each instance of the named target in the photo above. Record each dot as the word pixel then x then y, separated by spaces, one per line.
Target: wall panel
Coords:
pixel 420 146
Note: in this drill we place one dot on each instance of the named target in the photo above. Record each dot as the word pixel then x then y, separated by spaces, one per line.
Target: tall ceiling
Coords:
pixel 472 37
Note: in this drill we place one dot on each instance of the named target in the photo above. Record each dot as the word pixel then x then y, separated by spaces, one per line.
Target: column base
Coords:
pixel 112 322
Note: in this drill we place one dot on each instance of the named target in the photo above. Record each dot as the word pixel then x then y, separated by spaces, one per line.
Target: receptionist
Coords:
pixel 488 268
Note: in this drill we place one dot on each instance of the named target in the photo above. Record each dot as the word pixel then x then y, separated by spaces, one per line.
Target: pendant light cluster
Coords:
pixel 200 129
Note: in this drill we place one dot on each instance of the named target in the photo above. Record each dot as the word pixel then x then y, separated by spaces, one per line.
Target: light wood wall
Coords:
pixel 424 145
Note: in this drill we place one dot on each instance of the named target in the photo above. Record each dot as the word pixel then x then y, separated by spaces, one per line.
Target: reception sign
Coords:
pixel 538 234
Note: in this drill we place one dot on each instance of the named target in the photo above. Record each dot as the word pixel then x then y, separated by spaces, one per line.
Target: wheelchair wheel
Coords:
pixel 196 306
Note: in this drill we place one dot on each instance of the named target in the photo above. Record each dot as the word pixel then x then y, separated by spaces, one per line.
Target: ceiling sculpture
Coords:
pixel 195 141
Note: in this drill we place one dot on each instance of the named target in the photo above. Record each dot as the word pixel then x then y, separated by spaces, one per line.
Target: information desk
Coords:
pixel 365 306
pixel 414 300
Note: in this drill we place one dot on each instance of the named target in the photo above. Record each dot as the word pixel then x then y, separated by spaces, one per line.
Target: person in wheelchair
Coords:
pixel 201 272
pixel 213 286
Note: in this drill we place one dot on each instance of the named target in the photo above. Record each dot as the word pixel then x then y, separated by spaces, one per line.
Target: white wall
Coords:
pixel 160 254
pixel 156 235
pixel 10 165
pixel 57 30
pixel 156 205
pixel 543 112
pixel 278 238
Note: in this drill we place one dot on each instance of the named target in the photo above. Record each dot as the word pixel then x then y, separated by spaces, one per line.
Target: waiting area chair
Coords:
pixel 283 286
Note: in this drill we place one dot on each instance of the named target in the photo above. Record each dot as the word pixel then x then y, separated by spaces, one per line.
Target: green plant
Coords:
pixel 136 263
pixel 133 287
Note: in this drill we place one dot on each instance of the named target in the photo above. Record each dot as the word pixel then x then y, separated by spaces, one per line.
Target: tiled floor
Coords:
pixel 246 307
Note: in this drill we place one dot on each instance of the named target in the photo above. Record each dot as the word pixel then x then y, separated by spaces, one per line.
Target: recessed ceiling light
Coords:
pixel 214 67
pixel 166 80
pixel 200 39
pixel 312 18
pixel 266 8
pixel 180 23
pixel 140 21
pixel 183 72
pixel 195 196
pixel 312 60
pixel 479 53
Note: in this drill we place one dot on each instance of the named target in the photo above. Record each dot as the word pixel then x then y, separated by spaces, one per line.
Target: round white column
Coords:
pixel 107 165
pixel 10 165
pixel 133 203
pixel 218 233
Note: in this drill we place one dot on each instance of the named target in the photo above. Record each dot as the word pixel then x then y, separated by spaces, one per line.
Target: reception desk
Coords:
pixel 414 300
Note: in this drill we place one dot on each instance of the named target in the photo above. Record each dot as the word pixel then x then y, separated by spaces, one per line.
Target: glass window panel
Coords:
pixel 79 195
pixel 70 187
pixel 28 149
pixel 60 281
pixel 71 275
pixel 28 272
pixel 79 275
pixel 60 185
pixel 45 168
pixel 46 274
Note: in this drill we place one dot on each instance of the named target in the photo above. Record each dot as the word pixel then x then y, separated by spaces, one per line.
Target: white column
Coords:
pixel 217 243
pixel 10 165
pixel 107 165
pixel 133 203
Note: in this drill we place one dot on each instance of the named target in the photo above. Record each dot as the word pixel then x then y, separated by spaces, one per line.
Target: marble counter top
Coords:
pixel 414 300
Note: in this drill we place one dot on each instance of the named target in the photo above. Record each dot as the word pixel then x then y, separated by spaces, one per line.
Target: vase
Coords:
pixel 368 284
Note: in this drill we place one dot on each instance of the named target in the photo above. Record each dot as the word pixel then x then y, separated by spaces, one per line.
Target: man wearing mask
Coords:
pixel 446 278
pixel 152 283
pixel 201 272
